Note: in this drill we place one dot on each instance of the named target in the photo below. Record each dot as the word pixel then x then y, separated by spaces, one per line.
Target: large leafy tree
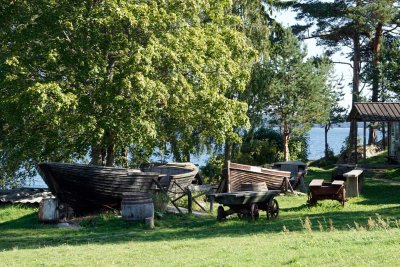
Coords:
pixel 382 17
pixel 335 25
pixel 390 58
pixel 101 77
pixel 337 114
pixel 359 25
pixel 297 92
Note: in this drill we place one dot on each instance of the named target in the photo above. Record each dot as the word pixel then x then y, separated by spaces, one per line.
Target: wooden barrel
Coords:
pixel 136 206
pixel 48 210
pixel 259 186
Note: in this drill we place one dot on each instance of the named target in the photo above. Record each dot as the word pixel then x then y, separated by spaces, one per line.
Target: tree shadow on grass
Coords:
pixel 27 233
pixel 376 193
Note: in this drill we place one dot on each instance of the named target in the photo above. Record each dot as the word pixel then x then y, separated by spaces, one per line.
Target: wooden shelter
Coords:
pixel 379 112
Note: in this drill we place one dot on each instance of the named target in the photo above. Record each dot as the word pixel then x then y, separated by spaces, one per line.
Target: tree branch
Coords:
pixel 344 63
pixel 392 30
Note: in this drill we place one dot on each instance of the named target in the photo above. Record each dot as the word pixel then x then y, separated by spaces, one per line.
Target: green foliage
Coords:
pixel 298 95
pixel 390 58
pixel 326 162
pixel 265 146
pixel 101 76
pixel 160 201
pixel 212 170
pixel 298 147
pixel 293 90
pixel 259 148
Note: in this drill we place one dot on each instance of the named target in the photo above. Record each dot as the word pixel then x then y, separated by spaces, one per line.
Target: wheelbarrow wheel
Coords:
pixel 273 209
pixel 221 214
pixel 311 201
pixel 254 212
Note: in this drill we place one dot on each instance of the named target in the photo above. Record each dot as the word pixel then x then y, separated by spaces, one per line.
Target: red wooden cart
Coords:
pixel 319 190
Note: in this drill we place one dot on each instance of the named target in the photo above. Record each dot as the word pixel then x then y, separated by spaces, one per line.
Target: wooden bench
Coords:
pixel 352 183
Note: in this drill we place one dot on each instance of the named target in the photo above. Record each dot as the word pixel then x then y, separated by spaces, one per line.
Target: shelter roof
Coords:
pixel 375 111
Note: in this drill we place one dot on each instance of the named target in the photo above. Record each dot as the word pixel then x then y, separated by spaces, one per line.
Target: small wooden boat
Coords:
pixel 175 176
pixel 175 179
pixel 238 174
pixel 87 188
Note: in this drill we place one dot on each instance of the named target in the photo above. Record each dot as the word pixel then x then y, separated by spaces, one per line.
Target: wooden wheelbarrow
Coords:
pixel 247 204
pixel 319 190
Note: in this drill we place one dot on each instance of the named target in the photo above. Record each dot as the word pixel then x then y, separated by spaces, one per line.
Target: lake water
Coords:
pixel 336 138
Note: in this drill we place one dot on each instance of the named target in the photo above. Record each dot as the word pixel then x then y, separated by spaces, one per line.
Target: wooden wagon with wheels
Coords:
pixel 247 204
pixel 319 190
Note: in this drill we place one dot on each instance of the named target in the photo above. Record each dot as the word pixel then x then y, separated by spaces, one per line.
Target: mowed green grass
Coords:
pixel 364 232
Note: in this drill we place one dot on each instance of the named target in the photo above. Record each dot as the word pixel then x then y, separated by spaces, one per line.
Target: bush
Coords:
pixel 212 171
pixel 265 146
pixel 326 161
pixel 160 201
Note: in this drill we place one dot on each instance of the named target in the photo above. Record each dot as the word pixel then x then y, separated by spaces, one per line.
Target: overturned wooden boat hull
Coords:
pixel 88 188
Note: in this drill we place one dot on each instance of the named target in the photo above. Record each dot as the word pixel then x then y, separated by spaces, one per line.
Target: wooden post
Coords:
pixel 190 201
pixel 355 141
pixel 211 203
pixel 228 176
pixel 389 134
pixel 149 222
pixel 365 142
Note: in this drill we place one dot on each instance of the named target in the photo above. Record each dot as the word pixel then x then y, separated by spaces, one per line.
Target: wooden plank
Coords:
pixel 228 175
pixel 353 173
pixel 316 182
pixel 337 182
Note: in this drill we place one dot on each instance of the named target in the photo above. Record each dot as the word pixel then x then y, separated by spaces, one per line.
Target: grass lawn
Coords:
pixel 365 232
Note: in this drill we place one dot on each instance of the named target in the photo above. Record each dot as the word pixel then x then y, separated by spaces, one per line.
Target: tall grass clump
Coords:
pixel 160 201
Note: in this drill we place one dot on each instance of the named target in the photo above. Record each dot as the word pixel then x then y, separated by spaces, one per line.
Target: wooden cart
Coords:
pixel 247 204
pixel 319 190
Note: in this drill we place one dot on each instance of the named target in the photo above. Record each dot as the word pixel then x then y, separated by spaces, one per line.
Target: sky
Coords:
pixel 287 18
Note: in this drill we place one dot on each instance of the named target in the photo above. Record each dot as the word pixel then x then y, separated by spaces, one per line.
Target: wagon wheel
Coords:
pixel 221 214
pixel 254 212
pixel 310 200
pixel 273 209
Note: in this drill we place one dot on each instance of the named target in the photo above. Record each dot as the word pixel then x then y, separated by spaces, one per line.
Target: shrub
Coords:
pixel 160 201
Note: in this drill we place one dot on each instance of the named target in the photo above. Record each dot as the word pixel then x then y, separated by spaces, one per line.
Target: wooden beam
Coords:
pixel 355 141
pixel 228 174
pixel 389 133
pixel 365 142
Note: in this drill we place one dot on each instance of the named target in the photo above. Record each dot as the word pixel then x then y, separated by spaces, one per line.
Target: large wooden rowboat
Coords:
pixel 87 188
pixel 247 203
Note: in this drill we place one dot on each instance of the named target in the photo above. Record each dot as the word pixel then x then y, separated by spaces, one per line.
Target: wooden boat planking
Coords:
pixel 176 179
pixel 240 173
pixel 88 188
